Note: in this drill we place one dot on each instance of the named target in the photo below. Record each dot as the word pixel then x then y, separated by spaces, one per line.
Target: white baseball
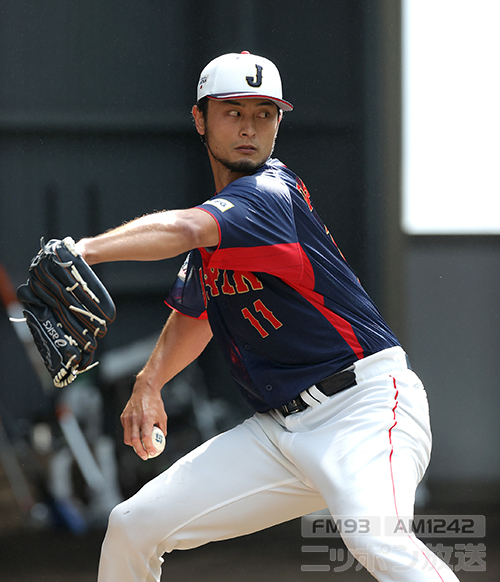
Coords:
pixel 158 439
pixel 159 442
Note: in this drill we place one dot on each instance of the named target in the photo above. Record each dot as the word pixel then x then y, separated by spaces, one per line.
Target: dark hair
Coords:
pixel 202 106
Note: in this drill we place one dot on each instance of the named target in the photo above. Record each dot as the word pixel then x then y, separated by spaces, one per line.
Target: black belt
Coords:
pixel 329 386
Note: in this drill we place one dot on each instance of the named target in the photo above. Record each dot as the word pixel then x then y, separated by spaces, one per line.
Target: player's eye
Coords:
pixel 233 113
pixel 264 114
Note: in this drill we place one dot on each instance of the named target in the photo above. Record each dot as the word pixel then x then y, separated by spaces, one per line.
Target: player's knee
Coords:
pixel 123 526
pixel 132 526
pixel 118 520
pixel 129 546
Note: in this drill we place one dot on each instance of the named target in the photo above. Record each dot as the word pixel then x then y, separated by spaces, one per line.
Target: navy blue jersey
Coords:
pixel 280 297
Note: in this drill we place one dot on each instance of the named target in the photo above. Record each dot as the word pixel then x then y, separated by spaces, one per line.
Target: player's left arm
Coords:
pixel 153 237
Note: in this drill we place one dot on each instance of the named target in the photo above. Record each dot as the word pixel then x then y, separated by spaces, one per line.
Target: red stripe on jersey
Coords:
pixel 290 263
pixel 285 261
pixel 202 316
pixel 339 323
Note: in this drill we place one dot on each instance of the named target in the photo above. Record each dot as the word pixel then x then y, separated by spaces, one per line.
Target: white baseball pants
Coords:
pixel 361 453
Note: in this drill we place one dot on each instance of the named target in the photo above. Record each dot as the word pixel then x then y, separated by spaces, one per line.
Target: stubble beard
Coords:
pixel 245 166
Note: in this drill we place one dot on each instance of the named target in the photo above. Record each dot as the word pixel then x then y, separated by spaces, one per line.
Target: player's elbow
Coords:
pixel 198 229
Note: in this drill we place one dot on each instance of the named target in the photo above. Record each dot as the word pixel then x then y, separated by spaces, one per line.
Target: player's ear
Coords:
pixel 280 117
pixel 278 120
pixel 199 120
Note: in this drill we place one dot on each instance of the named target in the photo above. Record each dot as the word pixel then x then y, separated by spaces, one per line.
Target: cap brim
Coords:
pixel 281 103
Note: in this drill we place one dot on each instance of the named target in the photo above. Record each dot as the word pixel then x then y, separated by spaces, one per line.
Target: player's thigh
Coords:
pixel 234 484
pixel 367 450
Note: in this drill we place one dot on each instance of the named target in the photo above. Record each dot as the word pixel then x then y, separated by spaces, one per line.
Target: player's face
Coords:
pixel 239 135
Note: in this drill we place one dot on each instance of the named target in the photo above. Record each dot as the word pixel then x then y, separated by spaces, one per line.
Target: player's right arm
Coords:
pixel 153 237
pixel 182 340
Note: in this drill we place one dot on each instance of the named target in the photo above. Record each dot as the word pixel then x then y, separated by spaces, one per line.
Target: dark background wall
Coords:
pixel 95 110
pixel 95 124
pixel 95 129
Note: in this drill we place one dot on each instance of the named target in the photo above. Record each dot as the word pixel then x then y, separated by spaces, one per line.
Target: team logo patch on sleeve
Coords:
pixel 221 204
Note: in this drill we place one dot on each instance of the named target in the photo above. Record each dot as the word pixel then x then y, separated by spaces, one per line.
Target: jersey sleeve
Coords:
pixel 187 295
pixel 257 227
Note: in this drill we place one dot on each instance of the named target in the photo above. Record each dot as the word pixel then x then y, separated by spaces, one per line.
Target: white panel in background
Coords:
pixel 451 117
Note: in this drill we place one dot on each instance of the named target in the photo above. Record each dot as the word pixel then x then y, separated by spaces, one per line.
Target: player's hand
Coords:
pixel 144 410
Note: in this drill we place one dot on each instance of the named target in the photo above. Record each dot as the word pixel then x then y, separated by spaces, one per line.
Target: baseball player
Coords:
pixel 341 421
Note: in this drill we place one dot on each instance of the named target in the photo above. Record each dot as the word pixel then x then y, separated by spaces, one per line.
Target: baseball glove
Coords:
pixel 67 309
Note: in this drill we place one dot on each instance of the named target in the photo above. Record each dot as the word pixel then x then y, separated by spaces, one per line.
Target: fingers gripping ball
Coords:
pixel 159 442
pixel 67 309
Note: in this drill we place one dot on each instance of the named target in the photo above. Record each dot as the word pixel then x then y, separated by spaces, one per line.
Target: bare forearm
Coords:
pixel 182 340
pixel 152 237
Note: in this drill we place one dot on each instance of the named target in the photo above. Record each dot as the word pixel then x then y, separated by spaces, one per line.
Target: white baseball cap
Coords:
pixel 242 76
